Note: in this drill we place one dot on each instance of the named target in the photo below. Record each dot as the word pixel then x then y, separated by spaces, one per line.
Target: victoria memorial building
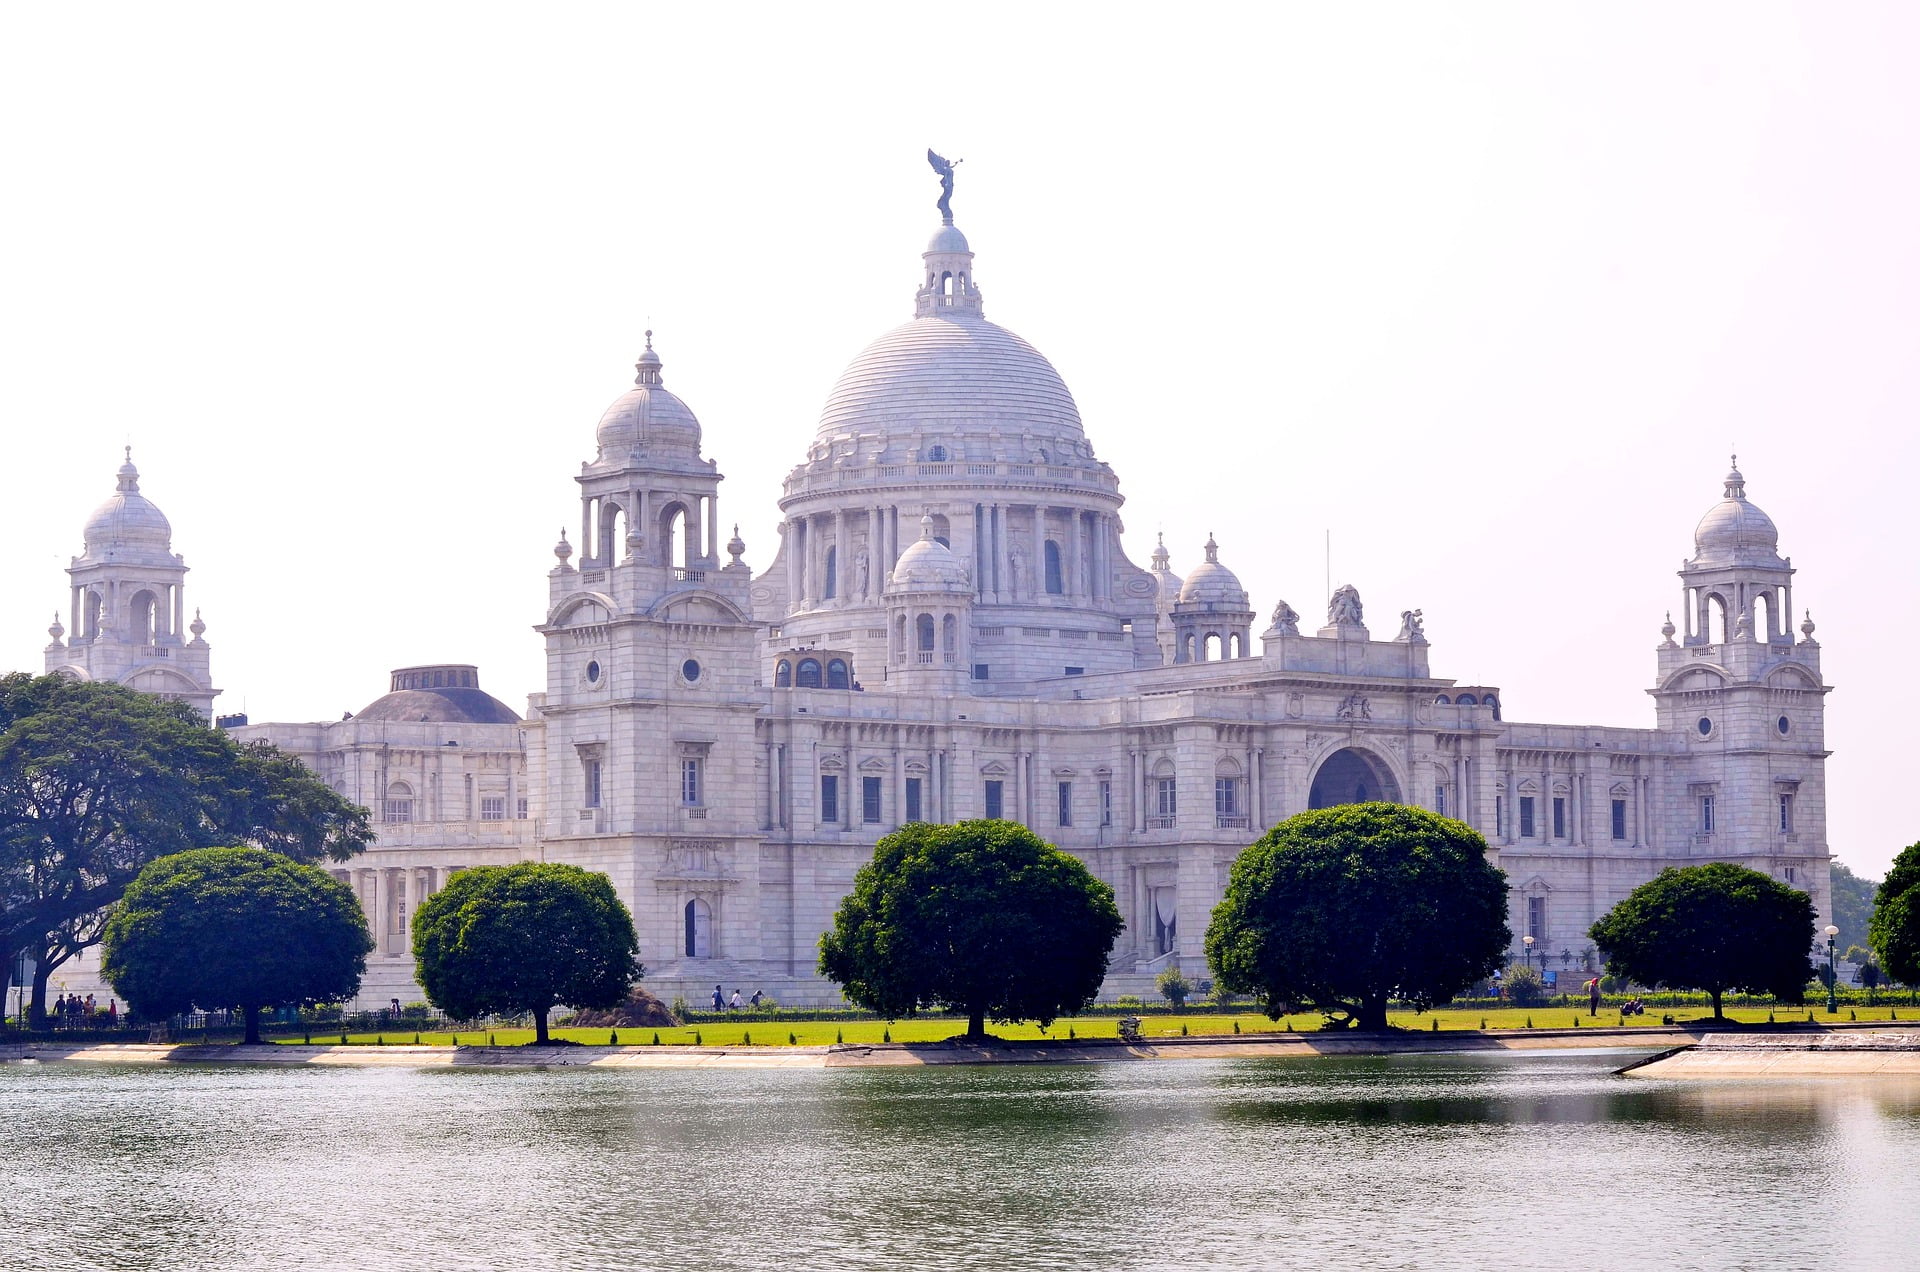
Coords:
pixel 950 629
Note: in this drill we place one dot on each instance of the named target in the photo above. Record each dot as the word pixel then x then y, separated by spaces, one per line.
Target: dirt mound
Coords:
pixel 641 1008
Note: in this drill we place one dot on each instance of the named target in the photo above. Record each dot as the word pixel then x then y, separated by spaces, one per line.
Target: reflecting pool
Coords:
pixel 1531 1161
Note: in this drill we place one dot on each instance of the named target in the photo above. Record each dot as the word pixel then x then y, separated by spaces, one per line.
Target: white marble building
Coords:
pixel 951 628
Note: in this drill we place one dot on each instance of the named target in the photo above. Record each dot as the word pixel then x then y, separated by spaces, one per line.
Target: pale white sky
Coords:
pixel 1488 291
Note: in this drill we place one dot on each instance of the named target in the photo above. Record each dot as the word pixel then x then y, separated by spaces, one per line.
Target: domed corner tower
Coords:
pixel 1212 617
pixel 646 726
pixel 128 605
pixel 929 618
pixel 953 419
pixel 1745 702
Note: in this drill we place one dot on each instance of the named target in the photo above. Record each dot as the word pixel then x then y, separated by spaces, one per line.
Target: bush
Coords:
pixel 1525 987
pixel 1174 987
pixel 1129 1002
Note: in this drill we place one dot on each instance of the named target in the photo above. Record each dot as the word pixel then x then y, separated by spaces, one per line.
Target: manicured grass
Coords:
pixel 933 1029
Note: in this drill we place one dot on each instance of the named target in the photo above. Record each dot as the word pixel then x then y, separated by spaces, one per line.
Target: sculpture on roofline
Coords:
pixel 1344 608
pixel 945 169
pixel 1286 619
pixel 1412 629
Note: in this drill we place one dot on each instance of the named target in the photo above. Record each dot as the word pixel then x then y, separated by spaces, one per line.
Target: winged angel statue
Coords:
pixel 945 169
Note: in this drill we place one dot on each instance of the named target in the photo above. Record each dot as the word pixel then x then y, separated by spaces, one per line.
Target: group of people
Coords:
pixel 722 1003
pixel 72 1011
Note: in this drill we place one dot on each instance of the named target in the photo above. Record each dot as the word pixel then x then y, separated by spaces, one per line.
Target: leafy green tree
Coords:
pixel 1713 927
pixel 1852 905
pixel 1894 930
pixel 979 917
pixel 1525 986
pixel 1869 966
pixel 1345 908
pixel 526 937
pixel 217 928
pixel 97 780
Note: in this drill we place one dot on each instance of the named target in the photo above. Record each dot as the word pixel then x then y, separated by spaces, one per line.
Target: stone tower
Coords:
pixel 128 605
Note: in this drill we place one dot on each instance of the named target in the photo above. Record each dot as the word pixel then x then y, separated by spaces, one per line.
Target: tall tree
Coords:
pixel 216 928
pixel 1347 908
pixel 1713 927
pixel 1894 931
pixel 525 937
pixel 97 780
pixel 981 918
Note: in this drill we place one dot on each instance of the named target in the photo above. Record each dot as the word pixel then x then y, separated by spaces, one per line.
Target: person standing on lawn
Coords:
pixel 1593 996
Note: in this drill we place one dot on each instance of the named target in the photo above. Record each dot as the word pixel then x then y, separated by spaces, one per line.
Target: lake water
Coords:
pixel 1523 1161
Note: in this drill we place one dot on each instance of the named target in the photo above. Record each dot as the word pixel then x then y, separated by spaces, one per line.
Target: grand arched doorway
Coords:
pixel 1352 776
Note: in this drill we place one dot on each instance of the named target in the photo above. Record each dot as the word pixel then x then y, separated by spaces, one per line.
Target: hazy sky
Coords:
pixel 1488 292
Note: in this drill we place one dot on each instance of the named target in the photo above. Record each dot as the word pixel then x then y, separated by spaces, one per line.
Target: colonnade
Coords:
pixel 1007 567
pixel 389 895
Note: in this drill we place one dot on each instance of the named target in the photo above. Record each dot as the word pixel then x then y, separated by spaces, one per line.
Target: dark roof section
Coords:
pixel 439 693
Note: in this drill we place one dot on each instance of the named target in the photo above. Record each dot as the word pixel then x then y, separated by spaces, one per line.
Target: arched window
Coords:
pixel 832 588
pixel 837 677
pixel 1054 583
pixel 1465 700
pixel 950 635
pixel 399 803
pixel 923 633
pixel 90 615
pixel 140 619
pixel 1186 648
pixel 699 929
pixel 676 535
pixel 808 674
pixel 1442 700
pixel 1763 623
pixel 610 537
pixel 1211 651
pixel 937 455
pixel 1716 619
pixel 941 529
pixel 900 636
pixel 1236 647
pixel 1491 701
pixel 782 674
pixel 946 284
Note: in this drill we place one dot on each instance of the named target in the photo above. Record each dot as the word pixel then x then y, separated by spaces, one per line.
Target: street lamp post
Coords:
pixel 1833 975
pixel 1528 942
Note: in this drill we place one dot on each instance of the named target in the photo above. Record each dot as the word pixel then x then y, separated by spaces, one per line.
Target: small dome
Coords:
pixel 443 693
pixel 648 418
pixel 929 564
pixel 1213 584
pixel 1168 582
pixel 948 239
pixel 1735 531
pixel 127 526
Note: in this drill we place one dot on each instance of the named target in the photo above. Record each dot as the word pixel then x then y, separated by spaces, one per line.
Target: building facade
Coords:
pixel 950 628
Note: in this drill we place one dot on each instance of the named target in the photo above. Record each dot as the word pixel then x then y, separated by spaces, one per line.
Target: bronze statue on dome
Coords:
pixel 945 169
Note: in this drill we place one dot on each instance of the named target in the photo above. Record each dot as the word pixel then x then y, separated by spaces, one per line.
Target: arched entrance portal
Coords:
pixel 1352 776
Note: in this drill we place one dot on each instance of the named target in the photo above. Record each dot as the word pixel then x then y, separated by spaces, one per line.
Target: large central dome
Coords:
pixel 948 371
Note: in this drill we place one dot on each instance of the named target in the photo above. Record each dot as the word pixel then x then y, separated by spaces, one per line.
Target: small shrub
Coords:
pixel 886 1034
pixel 1483 1022
pixel 1129 1002
pixel 696 1037
pixel 1174 987
pixel 1070 1034
pixel 656 1037
pixel 1529 1022
pixel 490 1040
pixel 343 1040
pixel 416 1040
pixel 838 1037
pixel 1525 987
pixel 380 1040
pixel 792 1039
pixel 679 1007
pixel 613 1038
pixel 746 1038
pixel 1289 1026
pixel 1436 1024
pixel 1183 1029
pixel 1236 1026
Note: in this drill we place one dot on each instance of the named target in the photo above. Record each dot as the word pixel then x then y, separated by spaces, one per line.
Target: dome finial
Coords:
pixel 1736 484
pixel 945 169
pixel 926 527
pixel 1213 549
pixel 129 475
pixel 649 364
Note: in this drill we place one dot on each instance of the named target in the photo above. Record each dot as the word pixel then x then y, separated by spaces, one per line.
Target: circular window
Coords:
pixel 691 670
pixel 1783 725
pixel 1705 726
pixel 593 673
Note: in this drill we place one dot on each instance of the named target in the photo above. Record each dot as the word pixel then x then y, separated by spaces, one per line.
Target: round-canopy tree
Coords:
pixel 1894 929
pixel 982 918
pixel 525 937
pixel 1345 908
pixel 234 927
pixel 1713 927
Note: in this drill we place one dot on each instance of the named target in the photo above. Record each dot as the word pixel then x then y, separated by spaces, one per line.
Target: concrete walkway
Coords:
pixel 1880 1052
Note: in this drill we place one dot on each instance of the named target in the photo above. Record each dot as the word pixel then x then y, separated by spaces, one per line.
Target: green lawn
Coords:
pixel 821 1033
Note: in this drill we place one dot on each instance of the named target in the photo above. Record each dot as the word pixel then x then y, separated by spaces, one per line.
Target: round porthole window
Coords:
pixel 1705 726
pixel 691 670
pixel 1783 725
pixel 593 673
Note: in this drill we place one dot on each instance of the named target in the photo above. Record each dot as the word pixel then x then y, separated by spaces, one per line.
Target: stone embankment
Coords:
pixel 856 1056
pixel 1838 1054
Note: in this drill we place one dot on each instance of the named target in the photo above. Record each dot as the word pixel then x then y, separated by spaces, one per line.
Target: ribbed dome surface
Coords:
pixel 439 706
pixel 128 526
pixel 933 373
pixel 929 563
pixel 648 416
pixel 1735 530
pixel 1213 584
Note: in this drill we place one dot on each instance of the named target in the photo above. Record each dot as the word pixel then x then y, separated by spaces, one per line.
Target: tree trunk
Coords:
pixel 253 1025
pixel 1716 1004
pixel 976 1022
pixel 1372 1015
pixel 37 1011
pixel 540 1027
